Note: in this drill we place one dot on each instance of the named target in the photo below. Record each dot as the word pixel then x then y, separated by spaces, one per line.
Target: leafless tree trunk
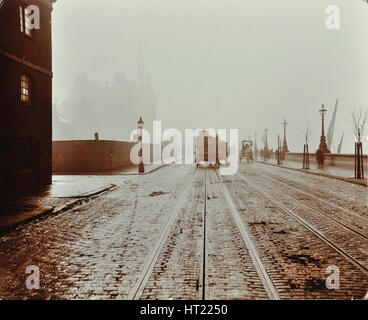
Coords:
pixel 307 135
pixel 359 121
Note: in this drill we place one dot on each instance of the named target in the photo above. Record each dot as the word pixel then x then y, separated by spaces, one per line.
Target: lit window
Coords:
pixel 26 89
pixel 25 23
pixel 21 19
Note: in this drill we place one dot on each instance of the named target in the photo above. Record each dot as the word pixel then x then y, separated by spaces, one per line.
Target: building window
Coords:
pixel 26 89
pixel 25 23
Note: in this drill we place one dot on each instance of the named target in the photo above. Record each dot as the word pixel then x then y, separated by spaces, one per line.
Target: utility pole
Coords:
pixel 265 150
pixel 284 146
pixel 278 150
pixel 255 146
pixel 266 143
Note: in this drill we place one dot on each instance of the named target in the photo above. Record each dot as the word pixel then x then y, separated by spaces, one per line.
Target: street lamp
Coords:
pixel 140 134
pixel 323 144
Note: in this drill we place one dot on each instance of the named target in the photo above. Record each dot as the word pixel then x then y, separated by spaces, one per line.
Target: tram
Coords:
pixel 210 151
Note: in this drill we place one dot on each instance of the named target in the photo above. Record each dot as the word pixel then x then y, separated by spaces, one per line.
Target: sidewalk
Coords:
pixel 65 192
pixel 340 173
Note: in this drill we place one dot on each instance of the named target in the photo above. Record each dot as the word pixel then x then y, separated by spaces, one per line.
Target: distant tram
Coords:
pixel 210 151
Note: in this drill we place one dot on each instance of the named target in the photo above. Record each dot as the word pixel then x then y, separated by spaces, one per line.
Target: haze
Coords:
pixel 221 63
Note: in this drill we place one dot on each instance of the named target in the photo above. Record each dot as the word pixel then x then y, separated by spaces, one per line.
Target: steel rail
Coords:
pixel 261 270
pixel 317 198
pixel 311 228
pixel 343 225
pixel 137 291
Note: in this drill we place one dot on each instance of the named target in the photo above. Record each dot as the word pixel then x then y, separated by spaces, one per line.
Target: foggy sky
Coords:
pixel 224 63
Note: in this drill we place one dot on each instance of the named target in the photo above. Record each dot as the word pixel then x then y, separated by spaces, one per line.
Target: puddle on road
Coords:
pixel 304 259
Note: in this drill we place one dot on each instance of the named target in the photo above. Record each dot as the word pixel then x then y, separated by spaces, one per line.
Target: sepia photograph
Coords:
pixel 197 151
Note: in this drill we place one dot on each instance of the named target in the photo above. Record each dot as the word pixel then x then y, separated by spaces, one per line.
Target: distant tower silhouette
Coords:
pixel 140 66
pixel 122 70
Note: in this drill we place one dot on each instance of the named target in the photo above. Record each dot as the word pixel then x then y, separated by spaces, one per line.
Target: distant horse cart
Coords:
pixel 246 151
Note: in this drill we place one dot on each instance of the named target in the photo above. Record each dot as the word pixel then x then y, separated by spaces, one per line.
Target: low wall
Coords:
pixel 95 156
pixel 85 156
pixel 331 159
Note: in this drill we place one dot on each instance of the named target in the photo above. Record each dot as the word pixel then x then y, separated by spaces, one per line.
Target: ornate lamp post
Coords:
pixel 323 144
pixel 140 127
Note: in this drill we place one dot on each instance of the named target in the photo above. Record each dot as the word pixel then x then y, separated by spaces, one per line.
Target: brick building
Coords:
pixel 25 93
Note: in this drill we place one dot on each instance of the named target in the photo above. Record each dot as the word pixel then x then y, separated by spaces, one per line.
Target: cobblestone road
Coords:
pixel 104 248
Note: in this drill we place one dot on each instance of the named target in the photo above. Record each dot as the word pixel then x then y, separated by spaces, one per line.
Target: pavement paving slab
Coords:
pixel 61 194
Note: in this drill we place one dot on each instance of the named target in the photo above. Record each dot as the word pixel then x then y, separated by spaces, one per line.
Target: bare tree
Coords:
pixel 307 134
pixel 359 121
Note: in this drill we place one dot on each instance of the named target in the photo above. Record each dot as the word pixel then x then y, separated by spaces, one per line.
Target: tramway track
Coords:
pixel 311 228
pixel 261 270
pixel 137 291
